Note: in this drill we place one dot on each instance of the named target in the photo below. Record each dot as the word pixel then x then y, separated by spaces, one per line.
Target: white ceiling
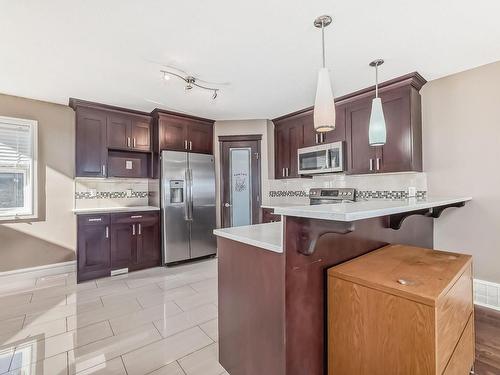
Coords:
pixel 104 50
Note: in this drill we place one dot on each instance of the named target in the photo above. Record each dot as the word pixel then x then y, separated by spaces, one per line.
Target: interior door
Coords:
pixel 174 206
pixel 240 184
pixel 202 211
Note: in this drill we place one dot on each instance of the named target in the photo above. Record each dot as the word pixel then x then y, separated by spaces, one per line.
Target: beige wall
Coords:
pixel 51 238
pixel 242 127
pixel 461 117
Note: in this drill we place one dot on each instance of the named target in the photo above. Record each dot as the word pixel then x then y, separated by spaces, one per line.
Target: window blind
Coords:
pixel 16 148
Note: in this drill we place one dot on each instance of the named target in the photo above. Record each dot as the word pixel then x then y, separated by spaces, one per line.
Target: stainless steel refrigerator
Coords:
pixel 187 205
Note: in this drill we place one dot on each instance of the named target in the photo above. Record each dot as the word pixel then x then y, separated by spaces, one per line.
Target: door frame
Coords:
pixel 250 140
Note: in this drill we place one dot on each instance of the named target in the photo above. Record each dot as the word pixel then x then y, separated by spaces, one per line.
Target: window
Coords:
pixel 18 145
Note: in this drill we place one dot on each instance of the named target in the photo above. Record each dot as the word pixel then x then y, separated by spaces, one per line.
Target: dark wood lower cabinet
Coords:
pixel 268 215
pixel 113 241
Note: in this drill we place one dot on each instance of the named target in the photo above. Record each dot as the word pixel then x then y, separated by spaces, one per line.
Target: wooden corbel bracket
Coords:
pixel 396 220
pixel 341 228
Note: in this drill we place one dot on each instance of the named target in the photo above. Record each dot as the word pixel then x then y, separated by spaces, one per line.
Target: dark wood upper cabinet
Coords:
pixel 91 152
pixel 402 111
pixel 141 134
pixel 182 133
pixel 93 247
pixel 200 137
pixel 118 130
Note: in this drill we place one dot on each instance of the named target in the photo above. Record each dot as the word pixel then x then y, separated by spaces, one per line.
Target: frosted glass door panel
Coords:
pixel 241 177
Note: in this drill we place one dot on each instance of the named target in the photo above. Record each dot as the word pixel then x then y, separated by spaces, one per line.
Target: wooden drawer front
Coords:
pixel 133 217
pixel 463 357
pixel 99 219
pixel 453 311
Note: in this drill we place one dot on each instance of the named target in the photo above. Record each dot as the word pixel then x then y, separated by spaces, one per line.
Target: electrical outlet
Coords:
pixel 412 191
pixel 93 192
pixel 129 193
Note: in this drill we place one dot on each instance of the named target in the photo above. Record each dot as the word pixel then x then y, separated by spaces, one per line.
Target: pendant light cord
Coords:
pixel 376 80
pixel 323 40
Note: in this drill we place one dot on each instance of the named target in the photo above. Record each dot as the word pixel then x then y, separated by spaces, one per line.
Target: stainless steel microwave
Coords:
pixel 324 158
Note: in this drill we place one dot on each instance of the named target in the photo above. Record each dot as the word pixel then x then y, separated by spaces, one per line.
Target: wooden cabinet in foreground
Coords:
pixel 401 310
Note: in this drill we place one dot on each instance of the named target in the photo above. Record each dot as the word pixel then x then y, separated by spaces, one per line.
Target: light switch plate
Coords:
pixel 128 164
pixel 93 192
pixel 412 191
pixel 129 193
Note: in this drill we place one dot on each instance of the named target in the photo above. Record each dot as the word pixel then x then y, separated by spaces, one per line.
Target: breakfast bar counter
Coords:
pixel 272 304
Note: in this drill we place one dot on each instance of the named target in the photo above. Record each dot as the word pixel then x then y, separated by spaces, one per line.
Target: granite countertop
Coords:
pixel 267 236
pixel 103 210
pixel 366 209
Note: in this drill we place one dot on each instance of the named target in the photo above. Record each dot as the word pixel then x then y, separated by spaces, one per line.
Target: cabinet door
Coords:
pixel 118 129
pixel 148 244
pixel 339 134
pixel 123 245
pixel 361 156
pixel 396 154
pixel 200 137
pixel 311 137
pixel 282 158
pixel 93 249
pixel 91 151
pixel 295 141
pixel 141 134
pixel 173 133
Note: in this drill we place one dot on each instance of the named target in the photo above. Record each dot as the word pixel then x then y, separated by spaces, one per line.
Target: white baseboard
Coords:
pixel 36 272
pixel 487 294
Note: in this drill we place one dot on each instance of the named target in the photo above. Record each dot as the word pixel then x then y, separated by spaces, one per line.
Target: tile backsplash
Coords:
pixel 99 193
pixel 380 186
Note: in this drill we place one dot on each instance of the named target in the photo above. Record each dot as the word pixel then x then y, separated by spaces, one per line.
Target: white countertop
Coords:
pixel 281 205
pixel 268 236
pixel 365 209
pixel 105 210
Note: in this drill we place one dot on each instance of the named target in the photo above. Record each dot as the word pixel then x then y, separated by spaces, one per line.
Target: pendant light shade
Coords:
pixel 377 133
pixel 324 106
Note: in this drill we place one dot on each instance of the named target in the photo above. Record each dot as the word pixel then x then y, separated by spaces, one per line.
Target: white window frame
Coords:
pixel 30 207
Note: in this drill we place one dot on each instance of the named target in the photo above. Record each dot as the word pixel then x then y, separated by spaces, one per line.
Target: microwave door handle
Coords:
pixel 327 161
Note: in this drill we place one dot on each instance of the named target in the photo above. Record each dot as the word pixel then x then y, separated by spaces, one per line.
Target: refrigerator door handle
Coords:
pixel 191 194
pixel 186 195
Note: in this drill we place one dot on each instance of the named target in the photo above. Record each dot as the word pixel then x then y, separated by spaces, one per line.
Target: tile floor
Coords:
pixel 161 321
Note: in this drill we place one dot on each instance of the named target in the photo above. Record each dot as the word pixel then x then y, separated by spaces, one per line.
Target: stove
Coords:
pixel 331 196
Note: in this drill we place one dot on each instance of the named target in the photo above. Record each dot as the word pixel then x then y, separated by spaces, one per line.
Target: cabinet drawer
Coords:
pixel 463 357
pixel 98 219
pixel 134 217
pixel 453 312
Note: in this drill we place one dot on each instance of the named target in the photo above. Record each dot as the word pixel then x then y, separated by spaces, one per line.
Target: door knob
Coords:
pixel 227 205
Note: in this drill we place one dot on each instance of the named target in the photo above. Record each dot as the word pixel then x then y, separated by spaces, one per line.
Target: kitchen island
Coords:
pixel 272 293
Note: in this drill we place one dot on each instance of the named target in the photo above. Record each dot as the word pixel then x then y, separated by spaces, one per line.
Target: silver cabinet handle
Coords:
pixel 317 139
pixel 287 172
pixel 128 141
pixel 185 145
pixel 134 142
pixel 371 164
pixel 133 229
pixel 96 219
pixel 103 170
pixel 140 229
pixel 136 217
pixel 283 172
pixel 378 164
pixel 107 231
pixel 190 145
pixel 322 137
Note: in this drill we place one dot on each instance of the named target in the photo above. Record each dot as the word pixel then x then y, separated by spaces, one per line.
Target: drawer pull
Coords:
pixel 96 219
pixel 136 217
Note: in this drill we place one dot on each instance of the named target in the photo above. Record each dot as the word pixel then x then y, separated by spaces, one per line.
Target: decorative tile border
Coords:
pixel 111 195
pixel 360 194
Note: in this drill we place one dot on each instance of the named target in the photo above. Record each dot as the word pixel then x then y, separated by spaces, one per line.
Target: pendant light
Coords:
pixel 324 106
pixel 377 133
